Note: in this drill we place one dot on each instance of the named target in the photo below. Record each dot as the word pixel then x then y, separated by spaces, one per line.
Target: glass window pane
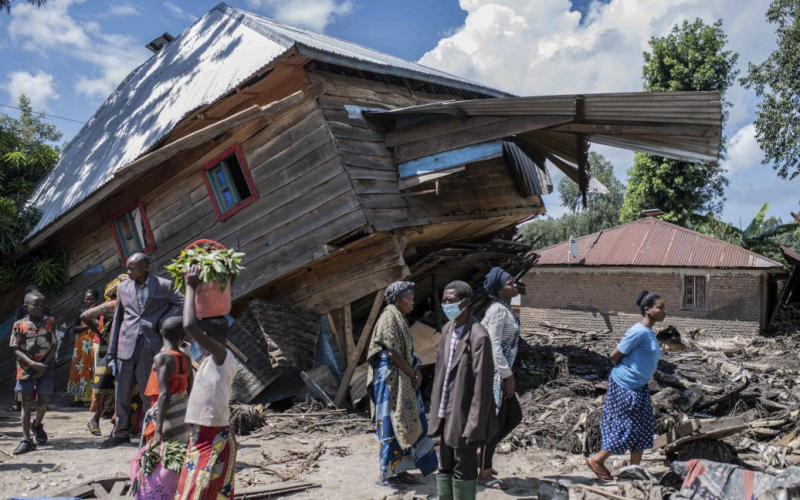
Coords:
pixel 688 291
pixel 700 292
pixel 131 232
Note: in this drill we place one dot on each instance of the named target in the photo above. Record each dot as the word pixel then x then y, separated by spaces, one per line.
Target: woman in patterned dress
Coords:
pixel 393 386
pixel 628 423
pixel 81 370
pixel 99 319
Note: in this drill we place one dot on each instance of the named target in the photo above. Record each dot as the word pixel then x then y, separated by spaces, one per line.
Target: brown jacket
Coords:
pixel 472 412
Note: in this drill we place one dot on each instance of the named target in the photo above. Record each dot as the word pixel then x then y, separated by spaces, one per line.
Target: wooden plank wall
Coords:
pixel 485 190
pixel 305 201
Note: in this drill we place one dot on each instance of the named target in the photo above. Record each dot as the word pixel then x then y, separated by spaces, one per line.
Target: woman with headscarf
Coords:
pixel 393 384
pixel 81 369
pixel 628 423
pixel 98 320
pixel 502 324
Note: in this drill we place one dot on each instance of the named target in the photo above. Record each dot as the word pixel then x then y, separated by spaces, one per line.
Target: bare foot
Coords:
pixel 599 470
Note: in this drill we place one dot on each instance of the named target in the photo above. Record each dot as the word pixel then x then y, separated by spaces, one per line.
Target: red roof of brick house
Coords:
pixel 653 242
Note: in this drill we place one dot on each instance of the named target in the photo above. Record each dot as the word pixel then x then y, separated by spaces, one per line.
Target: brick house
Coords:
pixel 706 283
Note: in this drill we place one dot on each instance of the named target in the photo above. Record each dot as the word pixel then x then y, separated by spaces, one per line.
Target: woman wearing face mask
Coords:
pixel 393 383
pixel 502 324
pixel 628 423
pixel 462 406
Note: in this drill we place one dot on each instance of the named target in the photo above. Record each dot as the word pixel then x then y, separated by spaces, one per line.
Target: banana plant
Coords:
pixel 754 237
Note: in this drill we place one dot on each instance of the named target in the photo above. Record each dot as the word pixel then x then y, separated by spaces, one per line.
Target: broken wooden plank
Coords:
pixel 352 362
pixel 273 489
pixel 348 329
pixel 99 491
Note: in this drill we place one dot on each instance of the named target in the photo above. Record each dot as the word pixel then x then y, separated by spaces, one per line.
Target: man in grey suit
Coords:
pixel 143 303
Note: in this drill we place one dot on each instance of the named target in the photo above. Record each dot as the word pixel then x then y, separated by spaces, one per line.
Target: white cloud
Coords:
pixel 744 153
pixel 38 88
pixel 179 12
pixel 541 47
pixel 54 32
pixel 122 9
pixel 315 15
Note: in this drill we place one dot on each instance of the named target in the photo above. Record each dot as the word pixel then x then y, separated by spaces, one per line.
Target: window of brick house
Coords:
pixel 229 183
pixel 132 230
pixel 694 292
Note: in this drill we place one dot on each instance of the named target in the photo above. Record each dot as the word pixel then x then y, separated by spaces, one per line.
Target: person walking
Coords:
pixel 393 384
pixel 462 406
pixel 143 302
pixel 628 423
pixel 502 324
pixel 81 368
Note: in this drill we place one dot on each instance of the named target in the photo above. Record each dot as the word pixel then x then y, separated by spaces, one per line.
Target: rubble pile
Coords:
pixel 309 417
pixel 727 399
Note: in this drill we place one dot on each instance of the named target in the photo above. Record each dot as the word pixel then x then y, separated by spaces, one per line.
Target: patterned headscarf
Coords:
pixel 495 280
pixel 398 290
pixel 111 288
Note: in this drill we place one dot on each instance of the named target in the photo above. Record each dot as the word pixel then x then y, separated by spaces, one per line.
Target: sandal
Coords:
pixel 405 478
pixel 494 484
pixel 94 428
pixel 391 482
pixel 603 473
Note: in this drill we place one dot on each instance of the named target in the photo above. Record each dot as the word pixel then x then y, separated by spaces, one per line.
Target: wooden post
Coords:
pixel 352 362
pixel 437 307
pixel 348 330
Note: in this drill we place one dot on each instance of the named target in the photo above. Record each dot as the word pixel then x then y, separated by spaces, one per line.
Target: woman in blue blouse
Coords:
pixel 628 423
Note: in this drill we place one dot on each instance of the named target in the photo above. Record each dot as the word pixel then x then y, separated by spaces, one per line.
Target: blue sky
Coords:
pixel 69 56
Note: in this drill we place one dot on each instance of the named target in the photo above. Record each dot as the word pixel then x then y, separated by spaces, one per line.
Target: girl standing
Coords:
pixel 628 423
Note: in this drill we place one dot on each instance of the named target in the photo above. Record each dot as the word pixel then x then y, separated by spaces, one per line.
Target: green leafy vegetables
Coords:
pixel 216 265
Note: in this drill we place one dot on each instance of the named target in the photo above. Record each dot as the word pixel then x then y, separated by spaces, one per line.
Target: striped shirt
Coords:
pixel 142 292
pixel 445 402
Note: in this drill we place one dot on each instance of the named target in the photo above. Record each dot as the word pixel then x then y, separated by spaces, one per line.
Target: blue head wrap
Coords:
pixel 495 280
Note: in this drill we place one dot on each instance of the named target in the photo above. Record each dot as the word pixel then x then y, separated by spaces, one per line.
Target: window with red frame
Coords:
pixel 132 231
pixel 229 182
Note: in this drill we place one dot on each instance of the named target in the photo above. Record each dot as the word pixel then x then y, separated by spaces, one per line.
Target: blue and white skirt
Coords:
pixel 628 423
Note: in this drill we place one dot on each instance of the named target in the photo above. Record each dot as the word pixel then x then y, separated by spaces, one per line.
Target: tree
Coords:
pixel 6 4
pixel 776 80
pixel 27 153
pixel 601 212
pixel 691 57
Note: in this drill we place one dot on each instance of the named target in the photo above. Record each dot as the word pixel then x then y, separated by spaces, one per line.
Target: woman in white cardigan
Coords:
pixel 502 324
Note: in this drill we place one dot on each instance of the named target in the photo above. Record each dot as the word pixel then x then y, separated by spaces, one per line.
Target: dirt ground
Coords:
pixel 72 457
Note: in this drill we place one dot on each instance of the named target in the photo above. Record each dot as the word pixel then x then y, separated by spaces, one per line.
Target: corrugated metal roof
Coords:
pixel 653 242
pixel 214 55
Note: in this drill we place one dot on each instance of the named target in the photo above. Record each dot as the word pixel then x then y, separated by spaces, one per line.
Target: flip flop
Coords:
pixel 604 475
pixel 94 428
pixel 405 478
pixel 494 483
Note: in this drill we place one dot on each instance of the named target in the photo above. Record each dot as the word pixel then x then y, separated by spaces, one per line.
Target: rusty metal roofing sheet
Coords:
pixel 653 242
pixel 217 53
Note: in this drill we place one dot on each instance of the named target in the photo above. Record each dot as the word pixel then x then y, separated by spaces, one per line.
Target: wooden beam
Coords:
pixel 437 309
pixel 616 129
pixel 155 158
pixel 449 159
pixel 348 329
pixel 352 362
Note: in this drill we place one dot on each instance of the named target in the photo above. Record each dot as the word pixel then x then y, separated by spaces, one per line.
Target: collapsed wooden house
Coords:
pixel 337 169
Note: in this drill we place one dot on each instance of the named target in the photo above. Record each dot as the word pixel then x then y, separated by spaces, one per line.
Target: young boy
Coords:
pixel 34 341
pixel 462 402
pixel 208 472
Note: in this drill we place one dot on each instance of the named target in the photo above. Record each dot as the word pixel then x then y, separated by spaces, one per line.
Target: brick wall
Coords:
pixel 604 298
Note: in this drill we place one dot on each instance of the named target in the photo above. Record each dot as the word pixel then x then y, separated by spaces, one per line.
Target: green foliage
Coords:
pixel 6 4
pixel 763 236
pixel 174 454
pixel 26 155
pixel 776 80
pixel 602 210
pixel 215 265
pixel 691 57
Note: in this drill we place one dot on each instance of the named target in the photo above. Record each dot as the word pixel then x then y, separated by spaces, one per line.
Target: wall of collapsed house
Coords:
pixel 600 299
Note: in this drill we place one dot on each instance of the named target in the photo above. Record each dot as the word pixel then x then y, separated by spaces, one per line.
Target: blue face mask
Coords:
pixel 452 311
